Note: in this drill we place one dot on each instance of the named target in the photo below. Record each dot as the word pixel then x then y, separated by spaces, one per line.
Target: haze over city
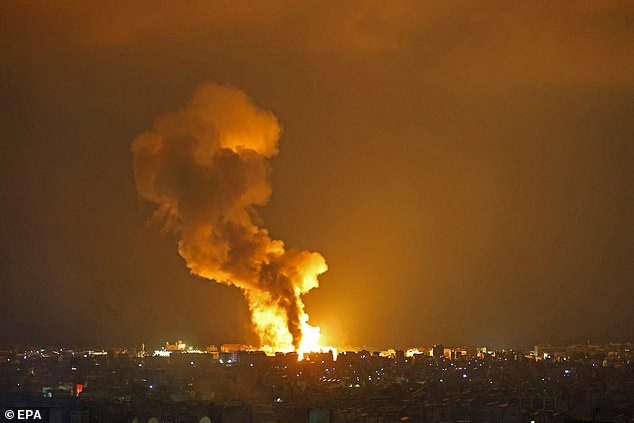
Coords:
pixel 464 170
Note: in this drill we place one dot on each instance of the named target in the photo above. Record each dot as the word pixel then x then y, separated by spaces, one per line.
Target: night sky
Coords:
pixel 466 169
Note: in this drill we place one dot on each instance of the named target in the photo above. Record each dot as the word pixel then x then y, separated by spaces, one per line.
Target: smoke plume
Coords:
pixel 206 166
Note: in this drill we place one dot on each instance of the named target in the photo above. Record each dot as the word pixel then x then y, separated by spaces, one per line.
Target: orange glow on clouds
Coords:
pixel 207 168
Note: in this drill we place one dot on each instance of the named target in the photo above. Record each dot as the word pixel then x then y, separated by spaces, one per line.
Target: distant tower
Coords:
pixel 438 351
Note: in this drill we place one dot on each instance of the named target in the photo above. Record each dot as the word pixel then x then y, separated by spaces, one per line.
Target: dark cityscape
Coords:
pixel 239 211
pixel 236 384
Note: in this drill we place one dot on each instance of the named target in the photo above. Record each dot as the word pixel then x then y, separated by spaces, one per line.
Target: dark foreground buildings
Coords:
pixel 549 384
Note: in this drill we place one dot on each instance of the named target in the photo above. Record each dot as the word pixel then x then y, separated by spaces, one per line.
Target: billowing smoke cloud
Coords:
pixel 206 166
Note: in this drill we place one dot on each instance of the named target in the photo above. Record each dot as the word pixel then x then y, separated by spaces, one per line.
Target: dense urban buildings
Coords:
pixel 233 383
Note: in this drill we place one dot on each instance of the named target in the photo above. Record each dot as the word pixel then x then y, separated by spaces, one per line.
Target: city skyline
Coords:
pixel 228 383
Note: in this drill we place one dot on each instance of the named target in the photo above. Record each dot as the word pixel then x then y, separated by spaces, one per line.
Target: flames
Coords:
pixel 206 166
